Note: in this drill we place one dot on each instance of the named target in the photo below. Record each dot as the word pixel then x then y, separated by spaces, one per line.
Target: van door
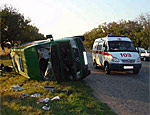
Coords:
pixel 99 54
pixel 94 51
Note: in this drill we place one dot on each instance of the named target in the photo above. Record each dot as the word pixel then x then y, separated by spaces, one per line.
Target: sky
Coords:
pixel 65 18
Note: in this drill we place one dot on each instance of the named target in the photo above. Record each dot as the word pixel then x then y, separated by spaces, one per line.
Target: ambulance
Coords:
pixel 116 52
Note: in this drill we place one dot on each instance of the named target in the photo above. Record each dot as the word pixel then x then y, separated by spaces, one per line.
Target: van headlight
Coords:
pixel 139 59
pixel 114 59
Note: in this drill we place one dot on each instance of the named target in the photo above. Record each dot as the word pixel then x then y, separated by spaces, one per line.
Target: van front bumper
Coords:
pixel 123 66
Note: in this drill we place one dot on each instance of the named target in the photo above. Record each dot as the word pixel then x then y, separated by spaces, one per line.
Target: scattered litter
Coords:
pixel 41 100
pixel 49 88
pixel 55 98
pixel 24 95
pixel 17 88
pixel 5 90
pixel 46 107
pixel 35 95
pixel 46 100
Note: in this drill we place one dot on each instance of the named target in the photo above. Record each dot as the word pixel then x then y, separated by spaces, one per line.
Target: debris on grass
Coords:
pixel 35 95
pixel 24 95
pixel 49 88
pixel 46 107
pixel 55 98
pixel 17 88
pixel 43 100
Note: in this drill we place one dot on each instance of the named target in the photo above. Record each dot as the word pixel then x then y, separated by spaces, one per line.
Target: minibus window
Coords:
pixel 121 46
pixel 13 60
pixel 20 64
pixel 44 56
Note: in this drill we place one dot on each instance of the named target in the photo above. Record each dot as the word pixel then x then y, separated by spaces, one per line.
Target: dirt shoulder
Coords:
pixel 124 92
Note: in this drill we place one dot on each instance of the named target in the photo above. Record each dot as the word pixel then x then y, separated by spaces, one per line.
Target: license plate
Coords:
pixel 128 67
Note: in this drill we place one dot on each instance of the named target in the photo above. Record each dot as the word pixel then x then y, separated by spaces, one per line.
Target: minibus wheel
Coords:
pixel 136 71
pixel 107 70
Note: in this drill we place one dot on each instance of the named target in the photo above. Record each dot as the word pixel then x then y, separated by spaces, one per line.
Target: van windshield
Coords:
pixel 121 46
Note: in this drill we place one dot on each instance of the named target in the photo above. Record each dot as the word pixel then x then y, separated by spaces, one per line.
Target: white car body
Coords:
pixel 144 54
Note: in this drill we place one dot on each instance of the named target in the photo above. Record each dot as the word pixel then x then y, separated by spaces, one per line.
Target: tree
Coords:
pixel 14 27
pixel 137 30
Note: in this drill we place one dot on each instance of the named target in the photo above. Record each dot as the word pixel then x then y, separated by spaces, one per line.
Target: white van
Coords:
pixel 116 52
pixel 144 54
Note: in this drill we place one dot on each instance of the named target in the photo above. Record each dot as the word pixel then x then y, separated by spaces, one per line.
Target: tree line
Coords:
pixel 138 30
pixel 15 28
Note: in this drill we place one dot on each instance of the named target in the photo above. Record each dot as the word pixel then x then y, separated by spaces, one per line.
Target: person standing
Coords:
pixel 2 46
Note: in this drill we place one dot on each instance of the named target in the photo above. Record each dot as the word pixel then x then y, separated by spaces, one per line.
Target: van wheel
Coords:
pixel 95 64
pixel 136 71
pixel 107 70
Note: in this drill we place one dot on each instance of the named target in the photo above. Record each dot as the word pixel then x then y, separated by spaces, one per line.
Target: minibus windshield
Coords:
pixel 121 46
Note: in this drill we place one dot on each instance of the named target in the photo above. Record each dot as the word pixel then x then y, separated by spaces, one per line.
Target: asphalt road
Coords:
pixel 124 92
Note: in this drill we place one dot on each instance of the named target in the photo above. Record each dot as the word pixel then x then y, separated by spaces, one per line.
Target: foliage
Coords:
pixel 137 30
pixel 78 101
pixel 15 28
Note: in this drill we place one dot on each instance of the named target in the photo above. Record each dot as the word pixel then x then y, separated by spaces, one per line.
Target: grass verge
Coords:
pixel 78 101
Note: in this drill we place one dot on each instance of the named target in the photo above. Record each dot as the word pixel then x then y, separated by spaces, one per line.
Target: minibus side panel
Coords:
pixel 32 63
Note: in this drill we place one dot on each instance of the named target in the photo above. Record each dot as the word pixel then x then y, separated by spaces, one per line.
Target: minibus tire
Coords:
pixel 107 70
pixel 136 71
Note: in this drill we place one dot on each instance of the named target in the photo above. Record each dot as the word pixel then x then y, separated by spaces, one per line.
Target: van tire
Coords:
pixel 95 64
pixel 107 70
pixel 136 71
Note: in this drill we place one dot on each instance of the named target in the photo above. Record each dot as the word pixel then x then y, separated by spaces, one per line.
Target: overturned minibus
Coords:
pixel 61 60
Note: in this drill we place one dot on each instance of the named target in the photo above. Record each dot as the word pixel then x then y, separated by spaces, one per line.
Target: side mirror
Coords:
pixel 50 37
pixel 104 45
pixel 104 49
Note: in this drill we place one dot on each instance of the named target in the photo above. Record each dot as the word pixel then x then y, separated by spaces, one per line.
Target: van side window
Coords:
pixel 95 45
pixel 99 47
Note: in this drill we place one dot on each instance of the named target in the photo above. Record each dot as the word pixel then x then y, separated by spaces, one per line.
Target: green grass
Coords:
pixel 79 102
